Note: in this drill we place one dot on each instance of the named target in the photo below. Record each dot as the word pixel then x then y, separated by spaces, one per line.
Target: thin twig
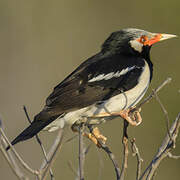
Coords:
pixel 72 169
pixel 53 152
pixel 39 142
pixel 125 150
pixel 13 166
pixel 170 155
pixel 16 154
pixel 170 142
pixel 167 144
pixel 113 159
pixel 85 151
pixel 10 159
pixel 101 165
pixel 81 154
pixel 155 173
pixel 164 111
pixel 70 139
pixel 136 153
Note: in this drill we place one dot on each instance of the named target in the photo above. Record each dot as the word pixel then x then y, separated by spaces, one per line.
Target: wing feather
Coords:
pixel 78 90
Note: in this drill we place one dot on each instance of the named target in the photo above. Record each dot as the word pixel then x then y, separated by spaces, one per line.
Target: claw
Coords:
pixel 134 118
pixel 95 137
pixel 98 135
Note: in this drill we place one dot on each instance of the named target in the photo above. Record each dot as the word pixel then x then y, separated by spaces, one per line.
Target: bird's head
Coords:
pixel 133 41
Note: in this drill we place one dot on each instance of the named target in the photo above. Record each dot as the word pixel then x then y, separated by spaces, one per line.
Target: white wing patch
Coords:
pixel 111 74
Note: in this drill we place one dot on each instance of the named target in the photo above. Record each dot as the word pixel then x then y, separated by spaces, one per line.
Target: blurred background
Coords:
pixel 42 41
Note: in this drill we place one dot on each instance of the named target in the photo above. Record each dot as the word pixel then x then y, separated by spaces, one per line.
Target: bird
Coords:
pixel 106 85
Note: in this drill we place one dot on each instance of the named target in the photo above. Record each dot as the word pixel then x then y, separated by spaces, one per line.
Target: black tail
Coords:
pixel 41 120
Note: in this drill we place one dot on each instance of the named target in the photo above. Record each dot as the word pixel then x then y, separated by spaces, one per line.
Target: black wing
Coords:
pixel 112 75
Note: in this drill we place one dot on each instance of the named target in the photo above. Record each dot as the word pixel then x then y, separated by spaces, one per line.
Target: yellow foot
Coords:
pixel 95 137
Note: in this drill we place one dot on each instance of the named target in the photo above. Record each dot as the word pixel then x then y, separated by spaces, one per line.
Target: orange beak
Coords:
pixel 154 38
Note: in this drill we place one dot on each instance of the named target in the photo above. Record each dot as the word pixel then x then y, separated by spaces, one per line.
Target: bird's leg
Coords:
pixel 95 136
pixel 131 115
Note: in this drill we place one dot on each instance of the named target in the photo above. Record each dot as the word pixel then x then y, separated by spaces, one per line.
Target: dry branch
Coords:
pixel 112 158
pixel 16 154
pixel 125 150
pixel 170 155
pixel 136 153
pixel 39 142
pixel 164 111
pixel 51 155
pixel 42 172
pixel 167 145
pixel 15 168
pixel 81 154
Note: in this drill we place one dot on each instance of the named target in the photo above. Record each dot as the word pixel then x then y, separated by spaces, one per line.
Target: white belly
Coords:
pixel 114 104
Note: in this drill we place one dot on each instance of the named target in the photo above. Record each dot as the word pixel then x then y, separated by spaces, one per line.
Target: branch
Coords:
pixel 51 155
pixel 81 154
pixel 71 167
pixel 167 145
pixel 136 153
pixel 164 111
pixel 85 150
pixel 35 172
pixel 14 167
pixel 125 153
pixel 45 167
pixel 39 142
pixel 101 165
pixel 173 156
pixel 112 158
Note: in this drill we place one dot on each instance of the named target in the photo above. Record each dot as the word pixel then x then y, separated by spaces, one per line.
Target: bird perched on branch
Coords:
pixel 106 85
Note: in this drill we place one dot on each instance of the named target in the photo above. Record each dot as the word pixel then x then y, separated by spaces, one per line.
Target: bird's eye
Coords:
pixel 143 39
